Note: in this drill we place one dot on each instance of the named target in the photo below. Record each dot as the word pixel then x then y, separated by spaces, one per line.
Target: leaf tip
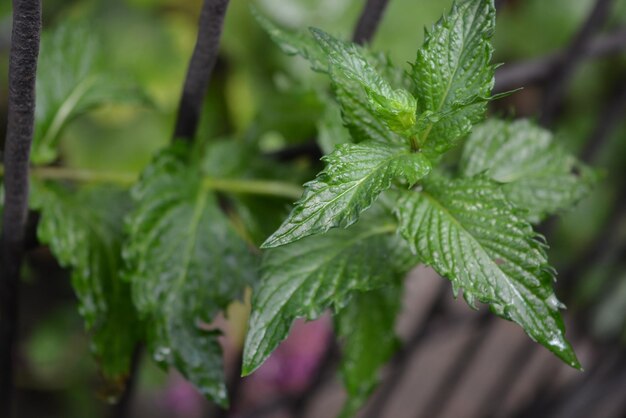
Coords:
pixel 564 351
pixel 271 242
pixel 249 366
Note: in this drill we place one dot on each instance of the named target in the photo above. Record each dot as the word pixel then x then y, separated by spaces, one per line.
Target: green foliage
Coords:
pixel 84 231
pixel 294 43
pixel 186 263
pixel 359 111
pixel 474 230
pixel 468 232
pixel 197 211
pixel 72 79
pixel 330 129
pixel 370 316
pixel 396 108
pixel 538 175
pixel 453 74
pixel 354 176
pixel 304 278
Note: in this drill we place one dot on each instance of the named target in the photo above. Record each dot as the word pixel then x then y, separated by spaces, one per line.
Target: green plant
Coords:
pixel 156 257
pixel 471 222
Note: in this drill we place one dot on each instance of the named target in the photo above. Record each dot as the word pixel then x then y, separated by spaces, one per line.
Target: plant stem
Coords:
pixel 260 187
pixel 21 116
pixel 200 68
pixel 245 186
pixel 84 176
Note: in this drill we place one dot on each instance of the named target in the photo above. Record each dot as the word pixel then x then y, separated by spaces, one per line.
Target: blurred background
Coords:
pixel 570 57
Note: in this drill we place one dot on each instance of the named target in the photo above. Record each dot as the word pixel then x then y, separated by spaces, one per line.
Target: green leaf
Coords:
pixel 453 75
pixel 84 231
pixel 186 263
pixel 539 176
pixel 468 232
pixel 396 107
pixel 257 215
pixel 358 110
pixel 227 158
pixel 359 116
pixel 71 80
pixel 294 42
pixel 366 325
pixel 306 277
pixel 330 129
pixel 355 175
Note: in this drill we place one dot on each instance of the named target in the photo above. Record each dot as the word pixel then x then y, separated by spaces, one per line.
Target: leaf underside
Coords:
pixel 366 326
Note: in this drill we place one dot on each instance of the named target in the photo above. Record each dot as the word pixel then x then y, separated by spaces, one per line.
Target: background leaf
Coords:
pixel 366 326
pixel 293 42
pixel 84 231
pixel 331 131
pixel 72 78
pixel 186 263
pixel 539 176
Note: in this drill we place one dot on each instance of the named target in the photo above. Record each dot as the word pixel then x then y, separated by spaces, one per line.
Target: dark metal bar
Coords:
pixel 609 119
pixel 233 384
pixel 123 408
pixel 555 89
pixel 453 375
pixel 298 405
pixel 369 20
pixel 535 71
pixel 543 393
pixel 308 149
pixel 576 395
pixel 611 116
pixel 495 397
pixel 21 117
pixel 200 68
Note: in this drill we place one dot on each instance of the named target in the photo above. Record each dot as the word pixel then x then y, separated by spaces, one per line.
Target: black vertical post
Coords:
pixel 200 68
pixel 368 22
pixel 21 118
